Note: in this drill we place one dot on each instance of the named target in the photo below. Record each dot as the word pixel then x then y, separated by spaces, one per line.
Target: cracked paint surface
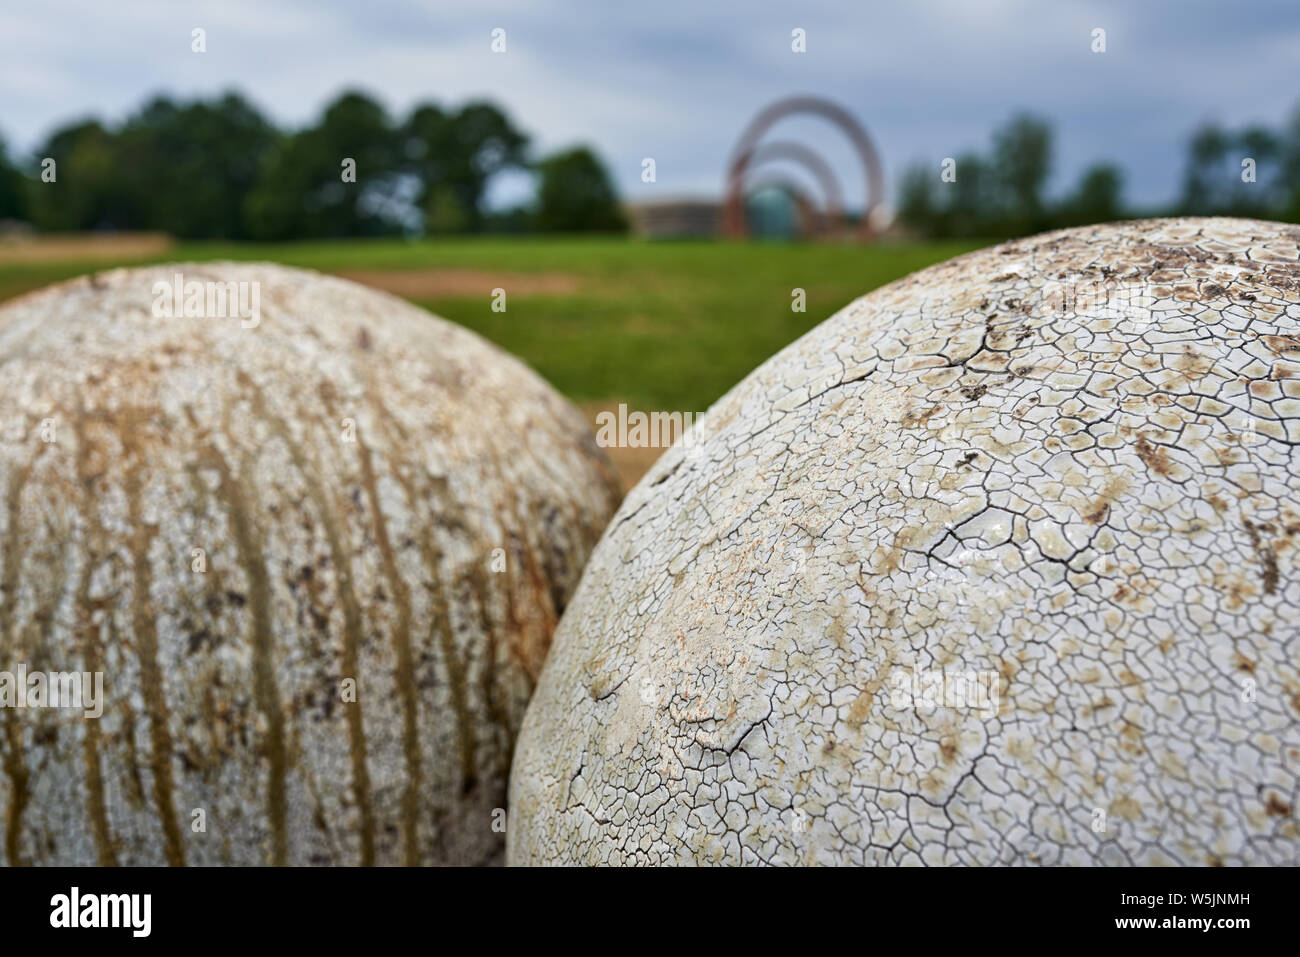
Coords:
pixel 1069 461
pixel 326 559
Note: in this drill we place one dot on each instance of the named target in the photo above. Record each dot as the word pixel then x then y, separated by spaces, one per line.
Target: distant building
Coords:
pixel 678 218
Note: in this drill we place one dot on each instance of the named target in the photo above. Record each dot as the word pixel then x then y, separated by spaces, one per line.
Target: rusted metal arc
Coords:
pixel 733 210
pixel 809 159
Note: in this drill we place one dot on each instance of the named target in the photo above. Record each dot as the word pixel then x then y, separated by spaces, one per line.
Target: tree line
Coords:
pixel 219 169
pixel 1251 171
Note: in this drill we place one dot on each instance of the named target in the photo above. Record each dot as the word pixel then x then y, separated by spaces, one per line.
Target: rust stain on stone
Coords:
pixel 92 652
pixel 146 636
pixel 1266 555
pixel 405 677
pixel 1153 456
pixel 265 686
pixel 351 664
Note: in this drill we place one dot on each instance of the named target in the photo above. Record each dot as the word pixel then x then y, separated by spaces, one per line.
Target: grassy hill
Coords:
pixel 659 325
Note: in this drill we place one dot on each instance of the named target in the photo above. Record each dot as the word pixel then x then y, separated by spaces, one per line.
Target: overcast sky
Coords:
pixel 677 80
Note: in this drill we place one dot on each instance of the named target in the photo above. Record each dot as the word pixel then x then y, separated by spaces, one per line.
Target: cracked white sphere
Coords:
pixel 314 539
pixel 996 565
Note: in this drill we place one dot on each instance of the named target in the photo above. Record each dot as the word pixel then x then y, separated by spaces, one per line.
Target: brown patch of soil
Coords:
pixel 46 249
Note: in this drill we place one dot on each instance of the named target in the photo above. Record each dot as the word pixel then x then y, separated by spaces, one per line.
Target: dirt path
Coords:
pixel 82 246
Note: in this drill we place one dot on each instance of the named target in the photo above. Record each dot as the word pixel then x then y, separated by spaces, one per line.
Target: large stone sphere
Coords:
pixel 996 565
pixel 314 540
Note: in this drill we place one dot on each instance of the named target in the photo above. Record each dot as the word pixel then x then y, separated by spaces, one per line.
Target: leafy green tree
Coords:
pixel 453 155
pixel 12 188
pixel 1097 198
pixel 973 208
pixel 88 190
pixel 303 188
pixel 917 205
pixel 576 195
pixel 1203 187
pixel 189 167
pixel 1022 160
pixel 218 169
pixel 1268 192
pixel 998 195
pixel 1215 181
pixel 1289 167
pixel 445 210
pixel 179 168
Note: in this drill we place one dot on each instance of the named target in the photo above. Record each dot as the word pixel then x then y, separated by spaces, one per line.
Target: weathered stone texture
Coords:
pixel 326 559
pixel 1068 462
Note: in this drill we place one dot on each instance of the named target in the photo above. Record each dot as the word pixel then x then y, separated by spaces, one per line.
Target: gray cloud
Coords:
pixel 678 79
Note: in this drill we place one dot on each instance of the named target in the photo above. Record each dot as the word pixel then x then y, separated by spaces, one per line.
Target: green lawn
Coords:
pixel 660 325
